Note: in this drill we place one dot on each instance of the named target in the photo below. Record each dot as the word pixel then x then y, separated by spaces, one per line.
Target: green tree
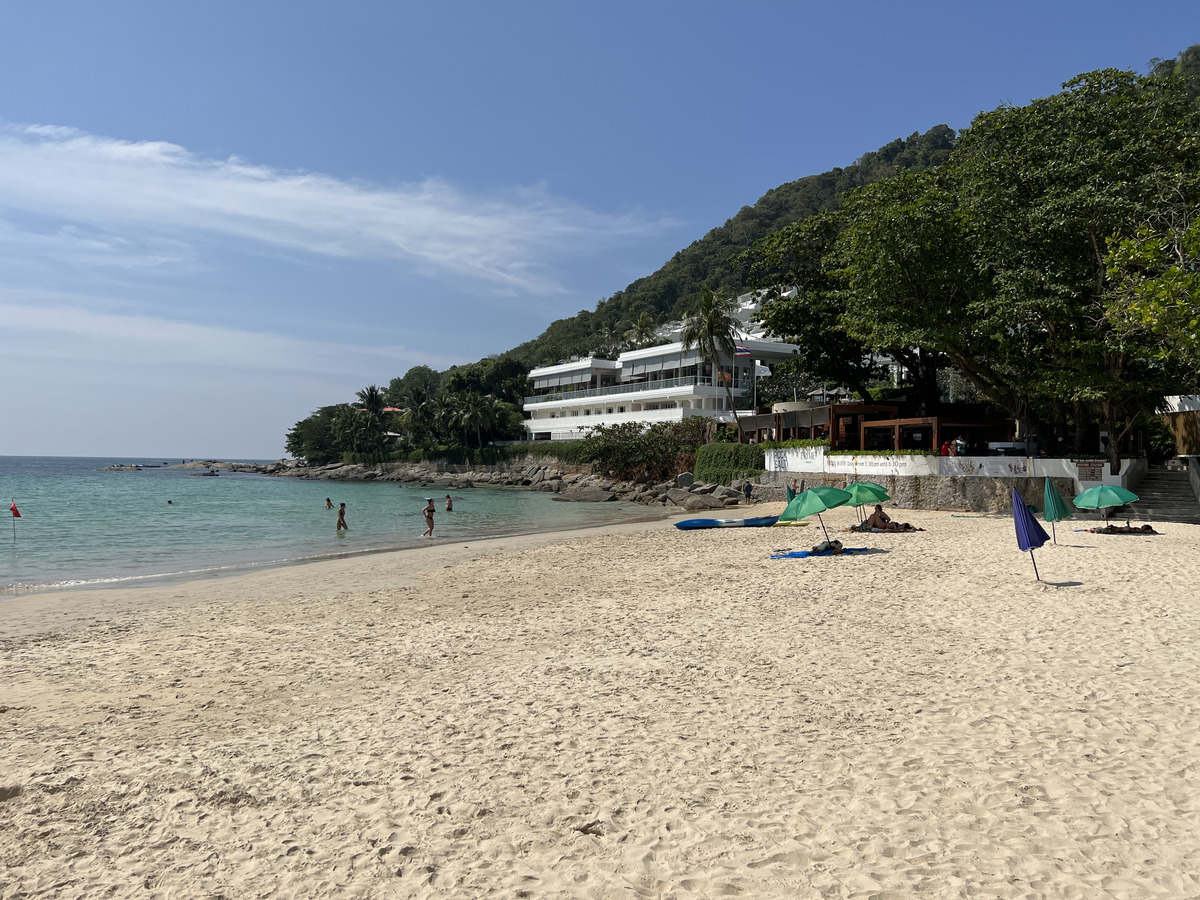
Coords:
pixel 641 331
pixel 1042 191
pixel 371 431
pixel 312 438
pixel 477 413
pixel 418 378
pixel 709 328
pixel 1155 287
pixel 504 377
pixel 804 307
pixel 445 418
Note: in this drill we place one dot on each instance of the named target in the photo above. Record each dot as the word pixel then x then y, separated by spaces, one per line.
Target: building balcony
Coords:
pixel 639 387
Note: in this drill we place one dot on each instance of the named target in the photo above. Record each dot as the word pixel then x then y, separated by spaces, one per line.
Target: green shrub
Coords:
pixel 570 452
pixel 632 451
pixel 726 463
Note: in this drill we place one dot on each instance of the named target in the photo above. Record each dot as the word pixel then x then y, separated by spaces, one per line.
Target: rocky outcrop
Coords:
pixel 567 483
pixel 589 488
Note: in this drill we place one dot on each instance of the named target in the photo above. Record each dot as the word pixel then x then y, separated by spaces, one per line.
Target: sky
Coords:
pixel 217 217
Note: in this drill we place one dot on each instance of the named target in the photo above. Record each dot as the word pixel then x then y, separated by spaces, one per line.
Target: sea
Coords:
pixel 83 525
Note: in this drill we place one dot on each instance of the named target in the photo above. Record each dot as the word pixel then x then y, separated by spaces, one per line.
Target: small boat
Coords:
pixel 757 522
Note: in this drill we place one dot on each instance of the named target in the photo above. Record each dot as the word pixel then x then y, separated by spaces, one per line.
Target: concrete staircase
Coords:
pixel 1165 496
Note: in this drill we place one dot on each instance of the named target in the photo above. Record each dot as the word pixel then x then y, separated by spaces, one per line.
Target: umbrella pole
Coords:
pixel 822 521
pixel 1053 535
pixel 1034 561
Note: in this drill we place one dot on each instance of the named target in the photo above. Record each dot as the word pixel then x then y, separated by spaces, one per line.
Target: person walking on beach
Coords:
pixel 449 504
pixel 429 510
pixel 341 522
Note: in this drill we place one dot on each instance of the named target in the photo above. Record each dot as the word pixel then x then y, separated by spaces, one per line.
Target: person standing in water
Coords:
pixel 341 522
pixel 328 503
pixel 449 504
pixel 429 510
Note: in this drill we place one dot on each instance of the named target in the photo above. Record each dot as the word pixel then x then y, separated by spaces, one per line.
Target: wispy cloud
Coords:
pixel 127 195
pixel 115 382
pixel 46 330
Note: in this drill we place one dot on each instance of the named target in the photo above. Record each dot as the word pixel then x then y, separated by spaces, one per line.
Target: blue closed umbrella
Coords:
pixel 1030 533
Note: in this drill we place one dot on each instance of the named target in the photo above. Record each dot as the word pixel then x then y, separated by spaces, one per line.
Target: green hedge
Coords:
pixel 793 444
pixel 882 453
pixel 726 463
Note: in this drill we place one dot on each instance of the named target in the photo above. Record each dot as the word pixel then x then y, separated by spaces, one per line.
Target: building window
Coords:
pixel 620 409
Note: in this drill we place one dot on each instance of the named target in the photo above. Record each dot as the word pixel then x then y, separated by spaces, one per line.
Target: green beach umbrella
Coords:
pixel 864 492
pixel 1105 496
pixel 1055 507
pixel 813 502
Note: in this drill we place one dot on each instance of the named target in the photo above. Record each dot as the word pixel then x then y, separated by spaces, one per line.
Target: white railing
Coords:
pixel 627 388
pixel 570 428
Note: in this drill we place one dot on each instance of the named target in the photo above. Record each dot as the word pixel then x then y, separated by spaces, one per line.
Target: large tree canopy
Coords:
pixel 999 261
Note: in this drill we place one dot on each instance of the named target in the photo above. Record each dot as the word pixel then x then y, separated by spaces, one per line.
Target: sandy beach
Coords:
pixel 630 712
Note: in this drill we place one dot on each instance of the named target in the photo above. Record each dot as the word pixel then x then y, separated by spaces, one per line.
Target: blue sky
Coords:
pixel 216 217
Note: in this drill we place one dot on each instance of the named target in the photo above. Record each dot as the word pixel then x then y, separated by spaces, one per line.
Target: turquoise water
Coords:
pixel 81 526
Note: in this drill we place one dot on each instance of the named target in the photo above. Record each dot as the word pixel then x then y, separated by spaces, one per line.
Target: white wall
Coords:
pixel 1085 473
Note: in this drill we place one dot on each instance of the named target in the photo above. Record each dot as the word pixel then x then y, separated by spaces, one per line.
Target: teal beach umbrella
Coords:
pixel 863 492
pixel 1054 507
pixel 1105 496
pixel 813 502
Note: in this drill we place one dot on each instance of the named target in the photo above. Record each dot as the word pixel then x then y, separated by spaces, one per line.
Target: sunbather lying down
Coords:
pixel 881 521
pixel 1124 529
pixel 832 546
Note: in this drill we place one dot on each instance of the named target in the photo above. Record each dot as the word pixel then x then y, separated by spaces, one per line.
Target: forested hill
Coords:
pixel 665 295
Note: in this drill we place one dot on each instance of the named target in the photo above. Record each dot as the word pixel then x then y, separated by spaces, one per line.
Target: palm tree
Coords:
pixel 372 434
pixel 478 413
pixel 444 414
pixel 418 413
pixel 370 399
pixel 347 429
pixel 497 414
pixel 709 328
pixel 609 341
pixel 641 331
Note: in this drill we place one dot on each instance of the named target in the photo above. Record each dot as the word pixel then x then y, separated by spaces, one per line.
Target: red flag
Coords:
pixel 16 513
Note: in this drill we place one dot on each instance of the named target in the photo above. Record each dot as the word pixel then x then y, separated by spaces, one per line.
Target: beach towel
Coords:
pixel 801 554
pixel 880 531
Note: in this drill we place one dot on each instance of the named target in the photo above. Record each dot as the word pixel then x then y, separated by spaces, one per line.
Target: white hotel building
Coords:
pixel 663 383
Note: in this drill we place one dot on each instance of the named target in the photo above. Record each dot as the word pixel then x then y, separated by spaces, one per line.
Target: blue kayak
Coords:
pixel 695 524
